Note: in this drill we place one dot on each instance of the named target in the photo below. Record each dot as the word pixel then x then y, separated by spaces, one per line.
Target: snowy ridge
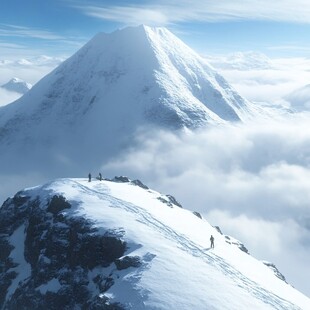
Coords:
pixel 167 247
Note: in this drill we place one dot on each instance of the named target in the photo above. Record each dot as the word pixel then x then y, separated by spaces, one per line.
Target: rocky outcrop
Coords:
pixel 62 253
pixel 275 270
pixel 240 245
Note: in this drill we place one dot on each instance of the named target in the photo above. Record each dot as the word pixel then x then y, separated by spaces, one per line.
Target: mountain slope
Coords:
pixel 119 245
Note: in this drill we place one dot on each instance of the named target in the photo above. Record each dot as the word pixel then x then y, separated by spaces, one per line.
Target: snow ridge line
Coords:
pixel 191 247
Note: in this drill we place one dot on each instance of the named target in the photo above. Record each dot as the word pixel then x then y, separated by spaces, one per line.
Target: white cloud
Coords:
pixel 128 15
pixel 7 30
pixel 172 11
pixel 262 83
pixel 30 70
pixel 299 99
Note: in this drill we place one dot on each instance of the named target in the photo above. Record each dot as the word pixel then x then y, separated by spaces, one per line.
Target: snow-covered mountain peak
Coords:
pixel 114 86
pixel 116 244
pixel 17 85
pixel 147 73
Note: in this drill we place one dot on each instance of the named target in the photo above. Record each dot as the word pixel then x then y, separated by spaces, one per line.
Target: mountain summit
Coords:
pixel 116 244
pixel 114 85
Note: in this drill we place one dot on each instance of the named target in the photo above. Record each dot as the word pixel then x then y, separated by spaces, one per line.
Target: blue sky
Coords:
pixel 60 27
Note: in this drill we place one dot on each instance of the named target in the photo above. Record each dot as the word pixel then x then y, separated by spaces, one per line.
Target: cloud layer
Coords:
pixel 261 79
pixel 252 179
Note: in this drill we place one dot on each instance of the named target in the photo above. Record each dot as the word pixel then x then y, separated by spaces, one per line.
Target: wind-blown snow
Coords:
pixel 179 268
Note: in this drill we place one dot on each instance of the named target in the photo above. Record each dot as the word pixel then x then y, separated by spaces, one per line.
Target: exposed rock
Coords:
pixel 275 270
pixel 120 179
pixel 218 229
pixel 124 179
pixel 57 204
pixel 236 242
pixel 169 201
pixel 174 201
pixel 127 261
pixel 197 214
pixel 139 183
pixel 60 249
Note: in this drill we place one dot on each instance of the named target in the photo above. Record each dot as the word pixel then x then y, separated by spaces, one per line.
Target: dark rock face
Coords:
pixel 123 179
pixel 275 270
pixel 120 179
pixel 57 204
pixel 197 214
pixel 240 245
pixel 174 201
pixel 169 201
pixel 139 183
pixel 218 229
pixel 127 261
pixel 60 249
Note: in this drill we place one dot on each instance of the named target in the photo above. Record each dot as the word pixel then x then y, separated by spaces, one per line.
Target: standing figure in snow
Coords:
pixel 89 177
pixel 212 241
pixel 100 176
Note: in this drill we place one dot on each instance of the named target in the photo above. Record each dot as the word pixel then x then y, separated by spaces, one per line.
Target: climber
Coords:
pixel 100 176
pixel 212 241
pixel 89 177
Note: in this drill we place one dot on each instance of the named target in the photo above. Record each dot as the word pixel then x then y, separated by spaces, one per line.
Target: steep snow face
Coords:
pixel 183 71
pixel 17 85
pixel 116 244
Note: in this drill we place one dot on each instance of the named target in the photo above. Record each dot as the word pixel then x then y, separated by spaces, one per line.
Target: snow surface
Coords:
pixel 179 269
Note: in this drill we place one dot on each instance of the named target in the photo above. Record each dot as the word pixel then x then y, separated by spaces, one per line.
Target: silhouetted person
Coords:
pixel 212 241
pixel 89 177
pixel 100 176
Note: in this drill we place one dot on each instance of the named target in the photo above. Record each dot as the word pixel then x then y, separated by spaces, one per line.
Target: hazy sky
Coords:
pixel 59 27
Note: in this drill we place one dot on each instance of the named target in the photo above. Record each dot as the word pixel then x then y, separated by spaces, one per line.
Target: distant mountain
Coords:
pixel 116 244
pixel 17 85
pixel 299 99
pixel 93 103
